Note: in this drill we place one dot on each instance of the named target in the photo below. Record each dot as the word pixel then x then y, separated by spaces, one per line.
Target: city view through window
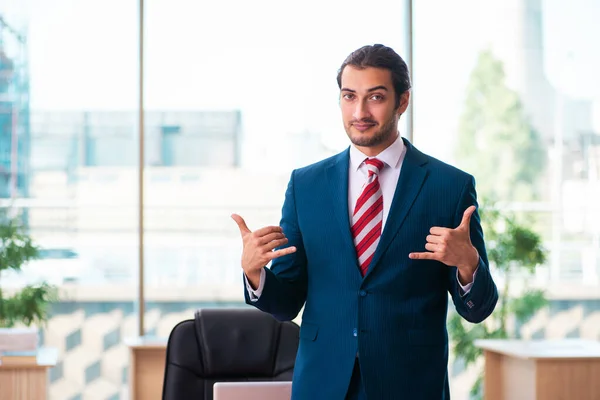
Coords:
pixel 506 90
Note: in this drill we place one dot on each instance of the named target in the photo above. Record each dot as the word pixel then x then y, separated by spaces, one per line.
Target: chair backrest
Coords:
pixel 227 345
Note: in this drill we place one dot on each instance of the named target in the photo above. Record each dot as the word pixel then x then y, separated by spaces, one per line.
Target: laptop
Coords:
pixel 269 390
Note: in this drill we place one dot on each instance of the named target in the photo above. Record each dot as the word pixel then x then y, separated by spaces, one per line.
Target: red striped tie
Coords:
pixel 368 216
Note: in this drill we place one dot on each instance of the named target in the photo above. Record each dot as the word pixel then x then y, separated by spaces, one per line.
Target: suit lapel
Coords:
pixel 337 175
pixel 411 179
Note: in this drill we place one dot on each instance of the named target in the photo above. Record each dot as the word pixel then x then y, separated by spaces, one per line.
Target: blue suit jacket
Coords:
pixel 394 317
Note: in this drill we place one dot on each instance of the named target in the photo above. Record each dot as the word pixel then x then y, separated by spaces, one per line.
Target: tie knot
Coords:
pixel 374 165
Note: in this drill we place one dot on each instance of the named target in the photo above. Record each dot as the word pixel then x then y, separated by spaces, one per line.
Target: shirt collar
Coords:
pixel 392 155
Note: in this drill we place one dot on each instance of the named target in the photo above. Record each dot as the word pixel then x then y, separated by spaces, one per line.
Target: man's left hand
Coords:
pixel 453 247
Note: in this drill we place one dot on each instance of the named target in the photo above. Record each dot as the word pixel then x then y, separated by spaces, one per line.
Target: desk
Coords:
pixel 28 381
pixel 541 369
pixel 147 356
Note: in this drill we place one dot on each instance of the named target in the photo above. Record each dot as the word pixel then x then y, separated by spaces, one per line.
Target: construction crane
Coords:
pixel 6 26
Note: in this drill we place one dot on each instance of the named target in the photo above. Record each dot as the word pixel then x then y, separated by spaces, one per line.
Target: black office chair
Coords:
pixel 227 345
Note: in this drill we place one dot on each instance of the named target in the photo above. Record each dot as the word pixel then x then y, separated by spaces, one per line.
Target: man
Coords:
pixel 376 237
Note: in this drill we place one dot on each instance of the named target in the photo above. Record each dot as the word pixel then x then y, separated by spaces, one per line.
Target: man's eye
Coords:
pixel 376 97
pixel 348 96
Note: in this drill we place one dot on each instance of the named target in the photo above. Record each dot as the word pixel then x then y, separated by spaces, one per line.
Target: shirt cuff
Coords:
pixel 466 288
pixel 255 294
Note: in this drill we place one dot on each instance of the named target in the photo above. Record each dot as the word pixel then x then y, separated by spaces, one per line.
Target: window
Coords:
pixel 225 122
pixel 507 91
pixel 243 111
pixel 68 166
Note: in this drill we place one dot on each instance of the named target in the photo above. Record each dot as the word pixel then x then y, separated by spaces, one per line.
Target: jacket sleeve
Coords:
pixel 480 301
pixel 285 286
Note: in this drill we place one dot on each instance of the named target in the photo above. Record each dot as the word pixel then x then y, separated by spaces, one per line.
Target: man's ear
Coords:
pixel 404 101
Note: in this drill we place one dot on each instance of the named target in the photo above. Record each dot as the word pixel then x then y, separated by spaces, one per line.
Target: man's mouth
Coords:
pixel 362 126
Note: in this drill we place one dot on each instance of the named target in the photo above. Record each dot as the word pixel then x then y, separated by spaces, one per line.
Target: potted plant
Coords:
pixel 22 309
pixel 515 250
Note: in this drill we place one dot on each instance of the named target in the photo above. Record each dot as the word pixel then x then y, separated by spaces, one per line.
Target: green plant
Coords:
pixel 27 305
pixel 515 250
pixel 496 140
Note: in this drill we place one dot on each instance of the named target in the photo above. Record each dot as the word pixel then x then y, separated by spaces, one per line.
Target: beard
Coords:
pixel 382 135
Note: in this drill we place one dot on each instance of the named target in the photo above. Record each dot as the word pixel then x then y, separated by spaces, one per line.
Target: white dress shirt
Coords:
pixel 392 157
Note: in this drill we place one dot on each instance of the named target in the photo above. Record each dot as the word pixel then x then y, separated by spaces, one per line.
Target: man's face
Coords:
pixel 367 100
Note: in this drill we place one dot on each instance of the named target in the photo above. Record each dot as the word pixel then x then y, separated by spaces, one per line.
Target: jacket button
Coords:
pixel 354 332
pixel 362 293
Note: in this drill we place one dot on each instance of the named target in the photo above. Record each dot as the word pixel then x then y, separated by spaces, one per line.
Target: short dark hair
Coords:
pixel 380 56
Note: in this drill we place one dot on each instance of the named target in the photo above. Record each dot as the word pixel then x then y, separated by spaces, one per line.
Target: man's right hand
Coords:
pixel 259 248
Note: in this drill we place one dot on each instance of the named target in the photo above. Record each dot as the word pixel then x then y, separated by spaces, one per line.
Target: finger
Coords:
pixel 423 256
pixel 279 253
pixel 466 219
pixel 436 239
pixel 267 229
pixel 438 231
pixel 241 224
pixel 431 247
pixel 274 244
pixel 270 237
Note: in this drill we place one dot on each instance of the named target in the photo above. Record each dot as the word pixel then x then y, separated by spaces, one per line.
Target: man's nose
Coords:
pixel 361 111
